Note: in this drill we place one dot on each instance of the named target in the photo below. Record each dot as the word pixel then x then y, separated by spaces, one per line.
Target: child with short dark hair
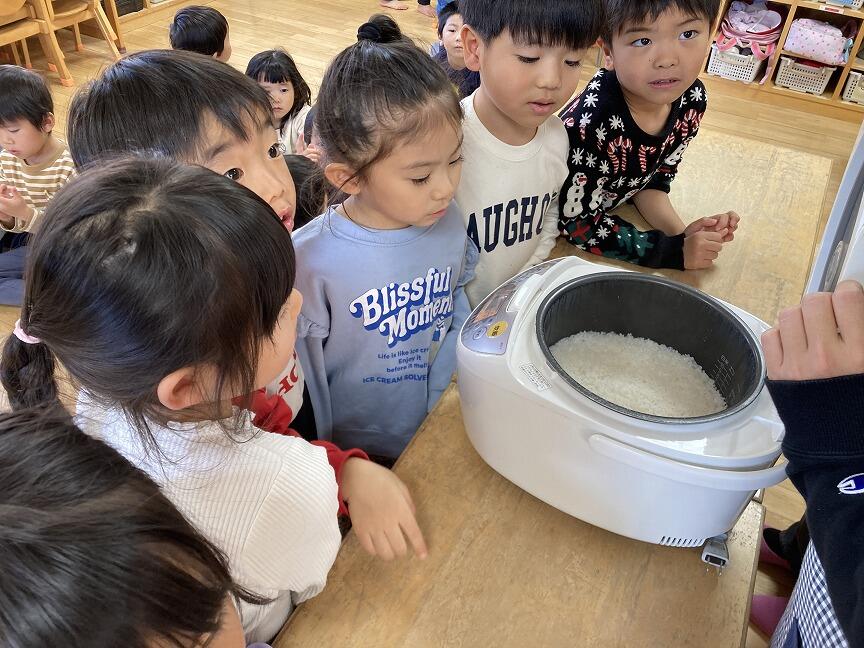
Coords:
pixel 201 29
pixel 92 553
pixel 815 362
pixel 528 53
pixel 384 272
pixel 184 297
pixel 450 55
pixel 628 131
pixel 33 166
pixel 290 96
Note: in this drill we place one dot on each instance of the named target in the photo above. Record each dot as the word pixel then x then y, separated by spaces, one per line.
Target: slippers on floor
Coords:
pixel 766 612
pixel 768 556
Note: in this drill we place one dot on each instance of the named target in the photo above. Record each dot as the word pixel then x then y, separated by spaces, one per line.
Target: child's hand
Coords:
pixel 308 150
pixel 12 204
pixel 729 222
pixel 821 338
pixel 702 245
pixel 381 510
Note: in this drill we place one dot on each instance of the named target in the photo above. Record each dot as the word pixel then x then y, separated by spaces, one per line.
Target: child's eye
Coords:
pixel 641 42
pixel 276 150
pixel 420 181
pixel 528 59
pixel 458 160
pixel 233 174
pixel 689 34
pixel 283 90
pixel 573 64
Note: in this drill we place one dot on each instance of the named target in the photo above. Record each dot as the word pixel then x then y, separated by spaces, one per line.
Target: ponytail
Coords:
pixel 27 374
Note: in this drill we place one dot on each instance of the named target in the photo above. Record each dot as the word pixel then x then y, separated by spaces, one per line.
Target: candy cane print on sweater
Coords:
pixel 617 152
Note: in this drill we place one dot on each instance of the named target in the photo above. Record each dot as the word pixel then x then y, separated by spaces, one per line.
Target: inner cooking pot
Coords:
pixel 666 312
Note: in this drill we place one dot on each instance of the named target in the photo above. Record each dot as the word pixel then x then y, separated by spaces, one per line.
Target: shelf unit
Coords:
pixel 798 9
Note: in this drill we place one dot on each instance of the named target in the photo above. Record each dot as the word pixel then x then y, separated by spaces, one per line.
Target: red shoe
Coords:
pixel 766 612
pixel 767 556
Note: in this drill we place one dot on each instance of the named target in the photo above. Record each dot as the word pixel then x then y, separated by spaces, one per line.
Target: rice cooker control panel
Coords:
pixel 490 325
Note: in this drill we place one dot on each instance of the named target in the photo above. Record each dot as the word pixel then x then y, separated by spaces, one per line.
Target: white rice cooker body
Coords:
pixel 675 485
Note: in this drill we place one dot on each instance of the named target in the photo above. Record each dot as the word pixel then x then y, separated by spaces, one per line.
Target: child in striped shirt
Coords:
pixel 33 166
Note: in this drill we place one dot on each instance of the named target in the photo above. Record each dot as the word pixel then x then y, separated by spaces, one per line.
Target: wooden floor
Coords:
pixel 315 30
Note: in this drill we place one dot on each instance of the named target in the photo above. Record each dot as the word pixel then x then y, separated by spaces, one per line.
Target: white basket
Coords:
pixel 737 67
pixel 854 90
pixel 851 4
pixel 803 78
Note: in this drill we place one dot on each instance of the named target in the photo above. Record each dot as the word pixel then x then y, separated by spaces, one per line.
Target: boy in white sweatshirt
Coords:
pixel 528 53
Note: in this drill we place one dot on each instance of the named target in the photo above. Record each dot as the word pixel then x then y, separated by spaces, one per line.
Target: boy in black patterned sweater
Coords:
pixel 628 131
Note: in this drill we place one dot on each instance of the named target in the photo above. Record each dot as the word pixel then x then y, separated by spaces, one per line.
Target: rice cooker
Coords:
pixel 671 481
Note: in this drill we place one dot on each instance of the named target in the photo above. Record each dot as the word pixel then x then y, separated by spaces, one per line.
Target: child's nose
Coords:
pixel 665 57
pixel 550 76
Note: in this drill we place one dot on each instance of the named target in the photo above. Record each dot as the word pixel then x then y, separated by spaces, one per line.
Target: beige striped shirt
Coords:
pixel 35 183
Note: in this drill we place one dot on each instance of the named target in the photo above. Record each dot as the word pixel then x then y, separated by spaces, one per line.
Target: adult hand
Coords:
pixel 821 338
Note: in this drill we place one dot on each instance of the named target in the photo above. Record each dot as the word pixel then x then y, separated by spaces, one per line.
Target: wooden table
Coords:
pixel 505 569
pixel 508 570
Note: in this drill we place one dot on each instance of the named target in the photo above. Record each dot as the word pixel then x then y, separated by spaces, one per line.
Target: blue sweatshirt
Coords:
pixel 377 332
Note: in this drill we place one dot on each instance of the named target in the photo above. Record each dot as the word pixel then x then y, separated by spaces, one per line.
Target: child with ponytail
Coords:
pixel 384 272
pixel 183 296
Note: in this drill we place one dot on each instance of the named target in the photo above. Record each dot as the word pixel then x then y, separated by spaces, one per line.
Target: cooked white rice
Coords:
pixel 639 374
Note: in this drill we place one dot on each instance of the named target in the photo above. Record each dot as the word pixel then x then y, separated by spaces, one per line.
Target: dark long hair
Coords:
pixel 92 554
pixel 158 101
pixel 379 92
pixel 142 267
pixel 277 66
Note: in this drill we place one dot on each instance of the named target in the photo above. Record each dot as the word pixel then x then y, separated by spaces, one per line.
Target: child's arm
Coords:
pixel 15 213
pixel 444 364
pixel 548 236
pixel 815 359
pixel 377 501
pixel 657 209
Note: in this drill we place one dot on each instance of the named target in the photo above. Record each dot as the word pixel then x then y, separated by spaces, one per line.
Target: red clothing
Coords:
pixel 273 414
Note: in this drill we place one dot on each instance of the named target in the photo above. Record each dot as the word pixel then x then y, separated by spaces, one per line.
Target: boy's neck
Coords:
pixel 50 148
pixel 456 65
pixel 498 123
pixel 650 117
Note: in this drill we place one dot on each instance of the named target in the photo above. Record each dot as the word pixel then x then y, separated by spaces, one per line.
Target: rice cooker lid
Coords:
pixel 634 303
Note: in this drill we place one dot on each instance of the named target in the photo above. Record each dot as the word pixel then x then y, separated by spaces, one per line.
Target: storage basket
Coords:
pixel 852 4
pixel 737 67
pixel 854 90
pixel 129 6
pixel 803 78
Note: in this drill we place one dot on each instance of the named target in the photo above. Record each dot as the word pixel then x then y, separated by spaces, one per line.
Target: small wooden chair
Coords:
pixel 18 21
pixel 59 14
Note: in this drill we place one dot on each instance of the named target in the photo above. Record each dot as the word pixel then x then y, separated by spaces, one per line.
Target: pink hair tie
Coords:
pixel 21 335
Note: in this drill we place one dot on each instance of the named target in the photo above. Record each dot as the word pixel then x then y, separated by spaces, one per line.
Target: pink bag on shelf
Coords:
pixel 750 25
pixel 820 41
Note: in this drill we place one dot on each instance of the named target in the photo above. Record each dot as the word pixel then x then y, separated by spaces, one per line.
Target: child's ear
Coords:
pixel 48 122
pixel 472 46
pixel 185 387
pixel 342 177
pixel 606 48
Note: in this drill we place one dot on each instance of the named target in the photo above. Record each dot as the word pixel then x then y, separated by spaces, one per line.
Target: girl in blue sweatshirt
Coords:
pixel 384 272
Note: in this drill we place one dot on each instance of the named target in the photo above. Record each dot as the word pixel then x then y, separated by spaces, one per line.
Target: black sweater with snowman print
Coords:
pixel 611 159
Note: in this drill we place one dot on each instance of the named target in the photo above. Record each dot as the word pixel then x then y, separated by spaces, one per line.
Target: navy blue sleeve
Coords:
pixel 824 444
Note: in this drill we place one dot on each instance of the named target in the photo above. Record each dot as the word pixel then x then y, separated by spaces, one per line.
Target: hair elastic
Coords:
pixel 21 335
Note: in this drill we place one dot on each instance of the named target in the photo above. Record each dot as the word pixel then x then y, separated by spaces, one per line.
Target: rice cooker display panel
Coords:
pixel 490 325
